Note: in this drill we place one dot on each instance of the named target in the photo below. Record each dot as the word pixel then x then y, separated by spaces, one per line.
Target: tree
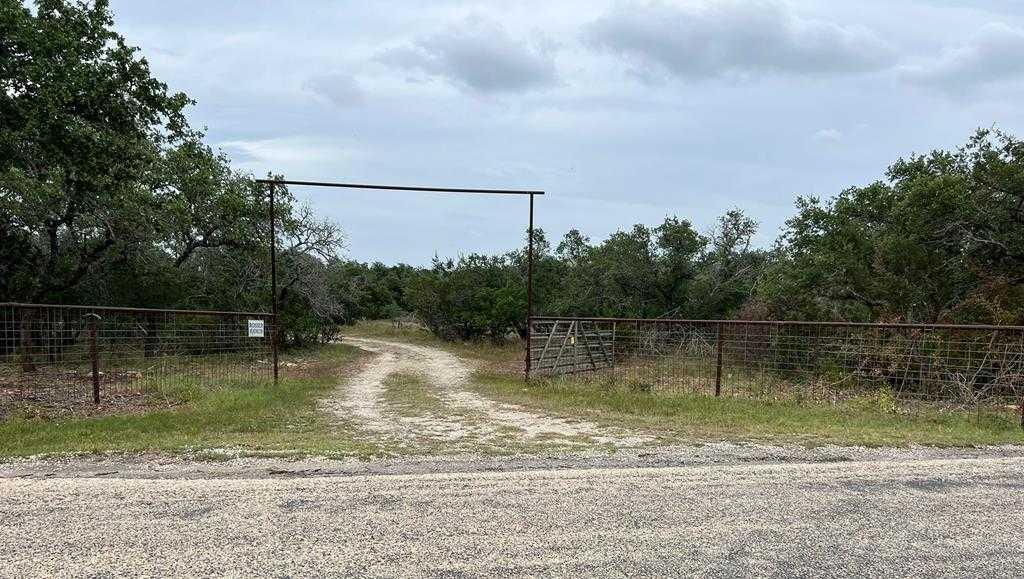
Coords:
pixel 205 204
pixel 83 121
pixel 474 297
pixel 728 268
pixel 678 245
pixel 640 272
pixel 940 240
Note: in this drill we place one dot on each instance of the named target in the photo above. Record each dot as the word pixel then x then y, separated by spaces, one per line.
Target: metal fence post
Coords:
pixel 529 354
pixel 614 328
pixel 718 359
pixel 275 315
pixel 94 355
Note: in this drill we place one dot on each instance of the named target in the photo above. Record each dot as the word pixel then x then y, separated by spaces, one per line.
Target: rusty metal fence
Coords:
pixel 64 357
pixel 951 364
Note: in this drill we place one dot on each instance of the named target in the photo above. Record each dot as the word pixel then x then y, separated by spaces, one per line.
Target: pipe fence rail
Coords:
pixel 958 365
pixel 68 356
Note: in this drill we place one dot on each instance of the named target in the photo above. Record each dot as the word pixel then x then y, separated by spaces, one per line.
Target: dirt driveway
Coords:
pixel 445 414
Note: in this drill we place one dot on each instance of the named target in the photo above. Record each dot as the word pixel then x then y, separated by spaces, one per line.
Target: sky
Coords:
pixel 623 112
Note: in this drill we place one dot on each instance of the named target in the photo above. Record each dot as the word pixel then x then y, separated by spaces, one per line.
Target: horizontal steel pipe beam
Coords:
pixel 680 321
pixel 398 187
pixel 132 310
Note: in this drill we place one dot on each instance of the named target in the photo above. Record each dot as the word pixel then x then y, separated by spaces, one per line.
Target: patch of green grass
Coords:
pixel 411 395
pixel 680 417
pixel 247 419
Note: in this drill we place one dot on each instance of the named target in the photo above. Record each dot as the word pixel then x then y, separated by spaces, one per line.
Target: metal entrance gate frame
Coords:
pixel 273 183
pixel 574 345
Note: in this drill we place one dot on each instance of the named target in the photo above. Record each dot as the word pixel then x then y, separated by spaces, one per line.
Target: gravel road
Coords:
pixel 928 514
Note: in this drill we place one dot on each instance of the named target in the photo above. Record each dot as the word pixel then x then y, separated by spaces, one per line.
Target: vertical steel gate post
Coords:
pixel 718 359
pixel 273 282
pixel 614 325
pixel 529 289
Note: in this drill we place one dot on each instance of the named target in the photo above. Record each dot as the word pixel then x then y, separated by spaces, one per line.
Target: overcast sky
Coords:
pixel 623 112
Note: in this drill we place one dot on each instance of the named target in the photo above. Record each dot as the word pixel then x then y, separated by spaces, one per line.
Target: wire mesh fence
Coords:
pixel 949 364
pixel 66 357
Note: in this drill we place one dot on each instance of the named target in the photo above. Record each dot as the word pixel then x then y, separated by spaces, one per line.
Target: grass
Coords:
pixel 411 395
pixel 679 416
pixel 286 420
pixel 248 420
pixel 688 417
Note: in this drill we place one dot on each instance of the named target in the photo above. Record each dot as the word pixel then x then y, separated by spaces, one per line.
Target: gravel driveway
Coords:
pixel 929 514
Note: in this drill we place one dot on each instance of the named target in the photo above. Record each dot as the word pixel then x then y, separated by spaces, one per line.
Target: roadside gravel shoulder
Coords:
pixel 232 465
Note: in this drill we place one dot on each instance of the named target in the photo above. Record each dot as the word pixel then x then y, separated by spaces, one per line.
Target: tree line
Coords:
pixel 939 240
pixel 109 197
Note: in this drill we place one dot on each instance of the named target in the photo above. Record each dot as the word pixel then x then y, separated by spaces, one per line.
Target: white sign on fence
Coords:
pixel 255 328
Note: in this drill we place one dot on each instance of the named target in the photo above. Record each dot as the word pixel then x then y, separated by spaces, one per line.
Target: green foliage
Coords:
pixel 727 269
pixel 642 272
pixel 476 296
pixel 83 119
pixel 103 184
pixel 371 291
pixel 942 240
pixel 667 270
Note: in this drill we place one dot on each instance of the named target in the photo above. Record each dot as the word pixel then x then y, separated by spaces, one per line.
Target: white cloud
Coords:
pixel 716 39
pixel 827 135
pixel 479 55
pixel 995 53
pixel 339 88
pixel 295 153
